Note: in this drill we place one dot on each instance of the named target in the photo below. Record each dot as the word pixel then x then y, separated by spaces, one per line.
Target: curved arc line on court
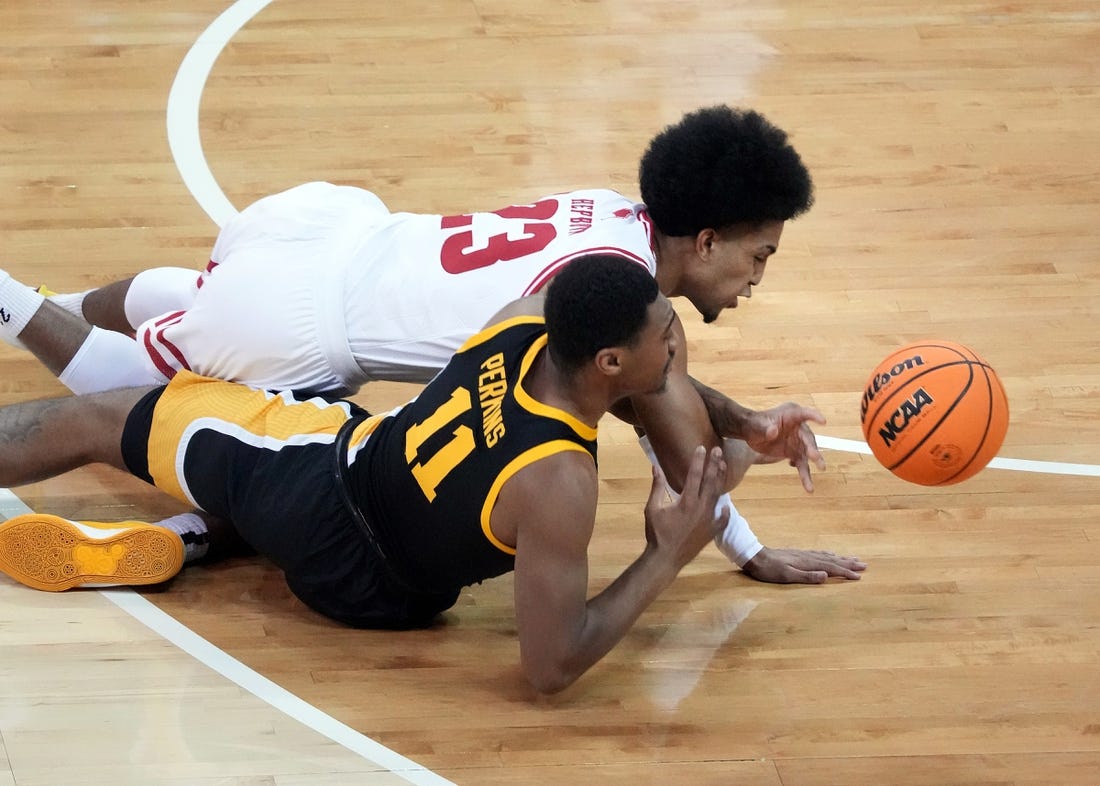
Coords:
pixel 184 140
pixel 173 631
pixel 185 98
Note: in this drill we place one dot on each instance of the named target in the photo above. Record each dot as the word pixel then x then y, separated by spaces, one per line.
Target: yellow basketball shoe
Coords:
pixel 45 291
pixel 53 554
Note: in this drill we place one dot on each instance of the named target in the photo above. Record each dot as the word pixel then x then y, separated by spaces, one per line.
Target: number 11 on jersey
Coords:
pixel 430 473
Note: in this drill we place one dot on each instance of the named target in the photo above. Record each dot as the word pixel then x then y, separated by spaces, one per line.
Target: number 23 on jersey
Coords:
pixel 461 252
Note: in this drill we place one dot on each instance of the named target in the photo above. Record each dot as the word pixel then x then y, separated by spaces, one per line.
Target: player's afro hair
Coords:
pixel 721 166
pixel 596 301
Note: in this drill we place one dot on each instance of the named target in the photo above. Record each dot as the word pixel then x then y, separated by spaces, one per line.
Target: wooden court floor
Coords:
pixel 954 150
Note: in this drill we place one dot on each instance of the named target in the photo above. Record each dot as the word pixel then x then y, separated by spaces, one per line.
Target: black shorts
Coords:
pixel 266 463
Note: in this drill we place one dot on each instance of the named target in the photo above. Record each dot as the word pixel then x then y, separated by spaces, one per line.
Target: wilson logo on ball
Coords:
pixel 882 379
pixel 934 412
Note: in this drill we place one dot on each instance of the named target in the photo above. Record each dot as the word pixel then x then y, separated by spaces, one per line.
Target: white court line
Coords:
pixel 278 697
pixel 261 687
pixel 184 140
pixel 1019 465
pixel 185 98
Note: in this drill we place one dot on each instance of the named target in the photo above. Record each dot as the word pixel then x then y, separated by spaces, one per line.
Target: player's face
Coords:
pixel 651 355
pixel 730 265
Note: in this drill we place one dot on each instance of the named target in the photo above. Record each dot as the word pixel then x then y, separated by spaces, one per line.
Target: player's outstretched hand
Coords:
pixel 784 432
pixel 797 566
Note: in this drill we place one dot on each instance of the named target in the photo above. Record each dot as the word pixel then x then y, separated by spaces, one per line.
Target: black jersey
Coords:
pixel 428 476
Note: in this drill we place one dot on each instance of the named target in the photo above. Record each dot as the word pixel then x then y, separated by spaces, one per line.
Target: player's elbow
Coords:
pixel 547 676
pixel 547 683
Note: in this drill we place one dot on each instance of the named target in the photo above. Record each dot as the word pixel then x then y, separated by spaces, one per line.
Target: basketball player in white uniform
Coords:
pixel 362 293
pixel 322 288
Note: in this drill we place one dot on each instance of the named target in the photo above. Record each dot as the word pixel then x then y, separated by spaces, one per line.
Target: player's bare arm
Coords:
pixel 562 632
pixel 775 434
pixel 676 420
pixel 687 414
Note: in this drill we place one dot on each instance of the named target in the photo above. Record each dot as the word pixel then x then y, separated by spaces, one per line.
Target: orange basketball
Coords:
pixel 934 413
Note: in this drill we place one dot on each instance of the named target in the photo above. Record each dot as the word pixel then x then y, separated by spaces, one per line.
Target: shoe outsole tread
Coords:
pixel 50 553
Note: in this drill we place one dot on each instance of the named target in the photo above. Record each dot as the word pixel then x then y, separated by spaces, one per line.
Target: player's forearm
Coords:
pixel 737 454
pixel 608 616
pixel 727 417
pixel 675 422
pixel 739 457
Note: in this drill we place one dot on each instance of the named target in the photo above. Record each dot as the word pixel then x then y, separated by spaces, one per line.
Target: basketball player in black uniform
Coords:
pixel 380 521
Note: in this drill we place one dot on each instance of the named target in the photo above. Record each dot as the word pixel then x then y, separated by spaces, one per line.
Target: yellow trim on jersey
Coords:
pixel 191 403
pixel 360 433
pixel 524 459
pixel 488 332
pixel 531 404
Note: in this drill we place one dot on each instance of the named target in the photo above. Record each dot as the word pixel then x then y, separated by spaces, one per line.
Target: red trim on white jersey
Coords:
pixel 554 267
pixel 202 276
pixel 150 340
pixel 647 222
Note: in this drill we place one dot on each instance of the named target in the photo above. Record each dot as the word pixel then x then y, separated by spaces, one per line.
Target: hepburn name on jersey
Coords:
pixel 580 215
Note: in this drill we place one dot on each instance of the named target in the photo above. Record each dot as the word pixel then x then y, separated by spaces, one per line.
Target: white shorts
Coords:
pixel 269 310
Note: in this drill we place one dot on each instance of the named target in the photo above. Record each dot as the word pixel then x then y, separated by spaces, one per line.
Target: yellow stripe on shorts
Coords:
pixel 192 403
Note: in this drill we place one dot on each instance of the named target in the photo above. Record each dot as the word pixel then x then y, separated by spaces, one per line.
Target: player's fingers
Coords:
pixel 809 413
pixel 693 481
pixel 846 559
pixel 805 476
pixel 810 448
pixel 797 576
pixel 714 474
pixel 658 491
pixel 835 565
pixel 844 573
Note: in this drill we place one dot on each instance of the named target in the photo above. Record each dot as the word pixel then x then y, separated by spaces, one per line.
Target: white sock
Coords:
pixel 194 533
pixel 18 303
pixel 73 302
pixel 737 541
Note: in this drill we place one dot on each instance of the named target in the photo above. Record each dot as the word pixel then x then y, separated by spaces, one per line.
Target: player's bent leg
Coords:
pixel 54 336
pixel 45 438
pixel 160 290
pixel 123 305
pixel 105 307
pixel 54 554
pixel 206 537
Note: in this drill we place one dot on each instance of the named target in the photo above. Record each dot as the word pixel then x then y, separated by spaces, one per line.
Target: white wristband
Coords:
pixel 737 541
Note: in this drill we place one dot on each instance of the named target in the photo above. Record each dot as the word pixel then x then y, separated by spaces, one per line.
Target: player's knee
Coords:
pixel 97 422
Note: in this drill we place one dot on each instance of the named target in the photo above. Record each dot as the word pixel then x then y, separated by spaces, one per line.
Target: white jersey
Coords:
pixel 322 287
